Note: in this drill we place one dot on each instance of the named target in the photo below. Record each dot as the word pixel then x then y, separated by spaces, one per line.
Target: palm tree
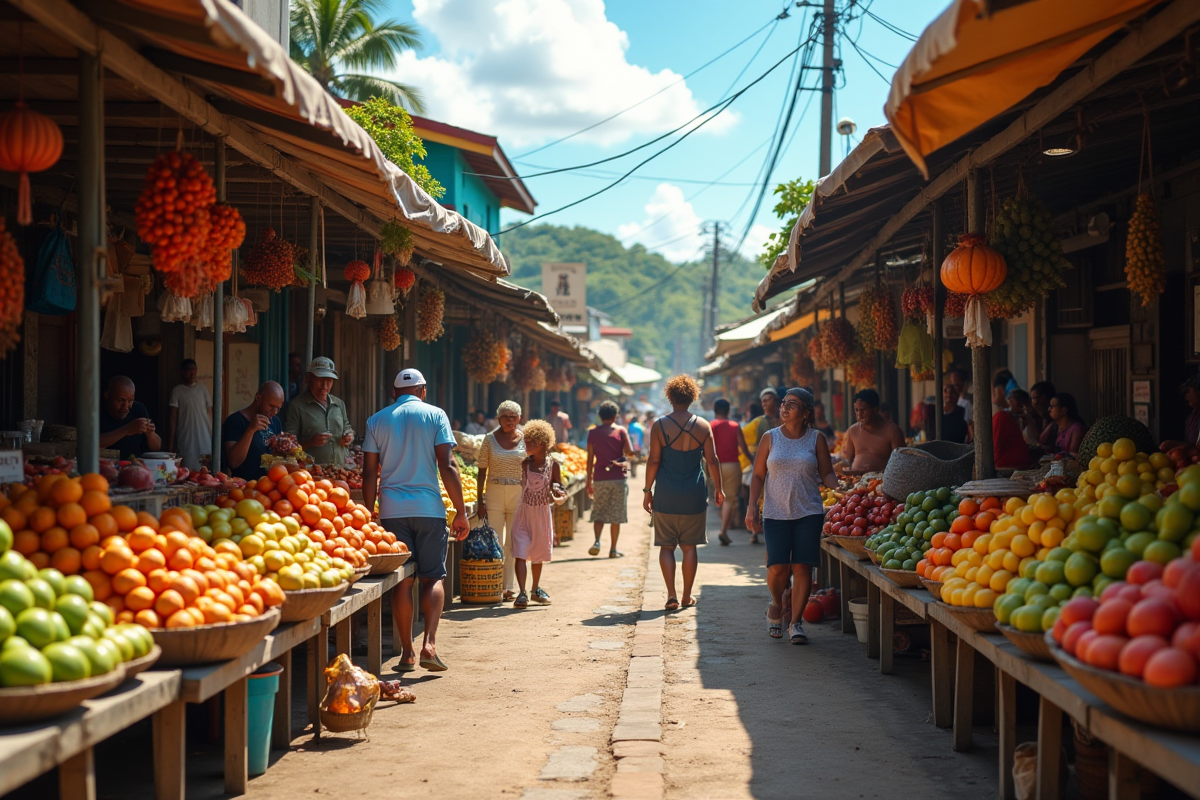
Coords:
pixel 336 40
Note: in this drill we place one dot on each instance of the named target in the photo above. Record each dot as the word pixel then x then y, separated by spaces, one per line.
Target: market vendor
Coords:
pixel 757 428
pixel 318 419
pixel 871 440
pixel 1009 450
pixel 244 433
pixel 124 422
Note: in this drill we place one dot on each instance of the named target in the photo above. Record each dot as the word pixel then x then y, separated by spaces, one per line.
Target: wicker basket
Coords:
pixel 383 563
pixel 1031 644
pixel 982 620
pixel 931 465
pixel 996 487
pixel 481 581
pixel 346 723
pixel 305 604
pixel 872 555
pixel 139 665
pixel 902 577
pixel 1177 709
pixel 360 573
pixel 853 545
pixel 205 644
pixel 24 704
pixel 934 587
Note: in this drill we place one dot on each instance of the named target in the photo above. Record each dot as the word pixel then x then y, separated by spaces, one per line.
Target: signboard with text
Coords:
pixel 565 287
pixel 12 466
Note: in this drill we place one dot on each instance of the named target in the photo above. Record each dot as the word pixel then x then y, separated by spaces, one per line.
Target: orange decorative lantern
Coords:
pixel 29 142
pixel 974 269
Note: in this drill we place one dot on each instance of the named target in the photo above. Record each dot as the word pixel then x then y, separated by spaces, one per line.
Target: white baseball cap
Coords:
pixel 322 367
pixel 408 377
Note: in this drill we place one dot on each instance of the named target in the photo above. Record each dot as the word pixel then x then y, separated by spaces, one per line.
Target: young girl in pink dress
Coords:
pixel 533 524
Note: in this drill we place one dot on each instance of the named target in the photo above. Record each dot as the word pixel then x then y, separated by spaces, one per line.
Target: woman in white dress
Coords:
pixel 499 460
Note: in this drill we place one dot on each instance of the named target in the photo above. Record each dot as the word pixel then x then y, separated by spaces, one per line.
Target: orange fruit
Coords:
pixel 55 539
pixel 90 557
pixel 95 502
pixel 94 482
pixel 39 559
pixel 147 618
pixel 320 494
pixel 196 614
pixel 116 602
pixel 175 541
pixel 328 509
pixel 204 564
pixel 68 561
pixel 159 580
pixel 168 603
pixel 84 536
pixel 181 619
pixel 283 508
pixel 147 519
pixel 256 601
pixel 285 484
pixel 125 517
pixel 46 484
pixel 125 616
pixel 310 514
pixel 42 519
pixel 140 598
pixel 71 514
pixel 101 583
pixel 15 517
pixel 277 473
pixel 150 560
pixel 181 559
pixel 186 588
pixel 126 580
pixel 141 538
pixel 116 559
pixel 185 519
pixel 338 523
pixel 264 485
pixel 198 577
pixel 247 611
pixel 237 494
pixel 66 491
pixel 217 614
pixel 105 524
pixel 297 497
pixel 235 591
pixel 339 497
pixel 26 542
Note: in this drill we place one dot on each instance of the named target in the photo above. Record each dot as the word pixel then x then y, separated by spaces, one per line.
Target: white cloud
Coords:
pixel 533 70
pixel 756 240
pixel 671 226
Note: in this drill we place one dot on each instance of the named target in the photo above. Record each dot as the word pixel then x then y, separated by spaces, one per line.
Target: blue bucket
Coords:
pixel 261 686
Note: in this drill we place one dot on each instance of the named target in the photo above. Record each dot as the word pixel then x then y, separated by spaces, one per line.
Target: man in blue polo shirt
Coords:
pixel 408 444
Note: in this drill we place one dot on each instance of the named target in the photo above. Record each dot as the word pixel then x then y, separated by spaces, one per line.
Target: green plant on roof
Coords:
pixel 793 197
pixel 392 129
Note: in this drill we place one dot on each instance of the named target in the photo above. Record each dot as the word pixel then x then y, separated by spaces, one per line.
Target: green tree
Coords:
pixel 338 41
pixel 793 197
pixel 392 129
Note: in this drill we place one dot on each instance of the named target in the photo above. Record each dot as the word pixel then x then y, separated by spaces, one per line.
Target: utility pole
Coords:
pixel 829 26
pixel 714 301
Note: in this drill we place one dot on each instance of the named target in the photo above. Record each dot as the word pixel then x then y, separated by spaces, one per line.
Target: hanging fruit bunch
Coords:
pixel 357 272
pixel 484 357
pixel 916 302
pixel 389 334
pixel 12 290
pixel 866 318
pixel 554 380
pixel 29 142
pixel 1023 233
pixel 924 373
pixel 816 354
pixel 1144 259
pixel 270 262
pixel 974 269
pixel 397 241
pixel 524 367
pixel 956 304
pixel 860 371
pixel 537 380
pixel 837 341
pixel 172 213
pixel 504 357
pixel 213 264
pixel 877 308
pixel 405 278
pixel 430 309
pixel 803 370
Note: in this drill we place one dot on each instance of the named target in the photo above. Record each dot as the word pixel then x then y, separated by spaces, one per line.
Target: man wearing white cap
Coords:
pixel 318 419
pixel 409 444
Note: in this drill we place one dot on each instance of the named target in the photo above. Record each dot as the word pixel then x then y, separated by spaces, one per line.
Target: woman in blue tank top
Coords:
pixel 793 462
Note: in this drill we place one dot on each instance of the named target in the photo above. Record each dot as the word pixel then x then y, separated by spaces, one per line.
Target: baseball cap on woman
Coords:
pixel 408 377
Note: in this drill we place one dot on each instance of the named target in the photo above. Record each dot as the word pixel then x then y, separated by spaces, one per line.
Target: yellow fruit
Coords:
pixel 1000 541
pixel 960 556
pixel 985 598
pixel 1104 450
pixel 1035 532
pixel 983 575
pixel 995 560
pixel 1011 561
pixel 968 594
pixel 1000 580
pixel 981 544
pixel 1013 504
pixel 1123 449
pixel 975 559
pixel 955 596
pixel 1026 515
pixel 973 573
pixel 1053 537
pixel 1066 511
pixel 1045 508
pixel 962 569
pixel 1022 546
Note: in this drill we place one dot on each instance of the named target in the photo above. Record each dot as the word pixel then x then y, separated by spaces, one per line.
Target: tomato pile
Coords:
pixel 860 513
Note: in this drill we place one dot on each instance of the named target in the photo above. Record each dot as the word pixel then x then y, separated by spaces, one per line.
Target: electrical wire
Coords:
pixel 867 61
pixel 771 24
pixel 643 291
pixel 893 28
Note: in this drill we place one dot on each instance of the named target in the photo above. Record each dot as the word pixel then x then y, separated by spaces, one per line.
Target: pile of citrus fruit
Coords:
pixel 904 543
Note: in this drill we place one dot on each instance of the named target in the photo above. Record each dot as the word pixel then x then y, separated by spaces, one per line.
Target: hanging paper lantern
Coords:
pixel 29 142
pixel 974 269
pixel 357 271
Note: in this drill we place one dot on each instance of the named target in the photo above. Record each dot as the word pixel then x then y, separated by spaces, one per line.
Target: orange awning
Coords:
pixel 968 66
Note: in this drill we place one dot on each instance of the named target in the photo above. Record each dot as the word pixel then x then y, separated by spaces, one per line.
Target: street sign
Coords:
pixel 565 287
pixel 12 466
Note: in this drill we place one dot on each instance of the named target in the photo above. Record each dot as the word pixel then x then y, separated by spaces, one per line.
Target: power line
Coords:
pixel 867 61
pixel 893 28
pixel 656 284
pixel 771 23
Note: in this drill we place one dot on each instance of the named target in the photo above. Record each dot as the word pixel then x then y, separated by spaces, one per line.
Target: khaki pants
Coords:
pixel 502 500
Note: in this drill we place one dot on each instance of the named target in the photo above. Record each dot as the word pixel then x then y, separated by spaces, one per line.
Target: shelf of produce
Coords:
pixel 198 684
pixel 28 751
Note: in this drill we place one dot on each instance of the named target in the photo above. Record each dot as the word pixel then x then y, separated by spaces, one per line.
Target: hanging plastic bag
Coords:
pixel 915 348
pixel 117 331
pixel 976 326
pixel 356 301
pixel 175 308
pixel 235 315
pixel 204 313
pixel 251 314
pixel 53 279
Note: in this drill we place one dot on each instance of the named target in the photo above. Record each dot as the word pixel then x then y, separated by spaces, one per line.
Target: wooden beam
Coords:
pixel 1140 42
pixel 213 73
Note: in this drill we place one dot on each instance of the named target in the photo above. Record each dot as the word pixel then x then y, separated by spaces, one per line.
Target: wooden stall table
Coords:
pixel 66 742
pixel 198 684
pixel 368 594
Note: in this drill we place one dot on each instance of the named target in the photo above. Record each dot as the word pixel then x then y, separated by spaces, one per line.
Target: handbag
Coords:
pixel 53 279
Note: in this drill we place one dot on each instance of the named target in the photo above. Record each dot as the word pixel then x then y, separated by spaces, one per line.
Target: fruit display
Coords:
pixel 877 320
pixel 573 465
pixel 916 302
pixel 285 445
pixel 816 353
pixel 970 520
pixel 830 497
pixel 53 630
pixel 837 341
pixel 431 308
pixel 860 512
pixel 1145 264
pixel 902 543
pixel 389 334
pixel 12 288
pixel 270 262
pixel 1109 429
pixel 351 477
pixel 485 357
pixel 1023 232
pixel 172 213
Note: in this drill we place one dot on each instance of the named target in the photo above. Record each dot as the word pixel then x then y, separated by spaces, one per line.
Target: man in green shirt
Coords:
pixel 319 420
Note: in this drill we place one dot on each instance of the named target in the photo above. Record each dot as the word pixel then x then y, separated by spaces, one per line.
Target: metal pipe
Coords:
pixel 92 259
pixel 936 249
pixel 218 385
pixel 313 242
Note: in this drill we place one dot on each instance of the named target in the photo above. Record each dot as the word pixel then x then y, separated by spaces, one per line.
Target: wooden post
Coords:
pixel 943 699
pixel 847 580
pixel 77 777
pixel 91 250
pixel 939 301
pixel 887 632
pixel 375 636
pixel 873 594
pixel 1049 751
pixel 964 695
pixel 236 776
pixel 341 637
pixel 981 366
pixel 1008 735
pixel 1124 780
pixel 281 723
pixel 170 750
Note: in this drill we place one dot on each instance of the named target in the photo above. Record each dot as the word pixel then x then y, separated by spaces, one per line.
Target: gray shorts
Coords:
pixel 427 538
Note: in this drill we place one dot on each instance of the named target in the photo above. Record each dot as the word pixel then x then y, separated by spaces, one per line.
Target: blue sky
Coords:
pixel 532 71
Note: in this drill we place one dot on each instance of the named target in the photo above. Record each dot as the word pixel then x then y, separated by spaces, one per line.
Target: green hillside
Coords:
pixel 633 286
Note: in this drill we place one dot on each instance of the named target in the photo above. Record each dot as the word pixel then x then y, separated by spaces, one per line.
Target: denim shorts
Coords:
pixel 427 538
pixel 794 541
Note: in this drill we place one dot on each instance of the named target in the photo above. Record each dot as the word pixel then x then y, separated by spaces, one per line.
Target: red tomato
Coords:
pixel 1144 572
pixel 1109 619
pixel 1137 652
pixel 1170 667
pixel 1152 617
pixel 1105 651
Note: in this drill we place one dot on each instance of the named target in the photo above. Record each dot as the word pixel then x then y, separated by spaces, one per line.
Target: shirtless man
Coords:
pixel 871 440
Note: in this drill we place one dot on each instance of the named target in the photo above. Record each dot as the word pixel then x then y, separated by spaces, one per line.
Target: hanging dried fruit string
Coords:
pixel 816 353
pixel 485 357
pixel 837 342
pixel 1144 259
pixel 389 334
pixel 431 308
pixel 12 290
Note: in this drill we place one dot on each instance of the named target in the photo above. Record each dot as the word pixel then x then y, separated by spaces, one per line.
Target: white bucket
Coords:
pixel 858 612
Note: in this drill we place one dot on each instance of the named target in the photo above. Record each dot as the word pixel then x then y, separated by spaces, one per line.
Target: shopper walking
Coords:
pixel 560 421
pixel 795 456
pixel 318 419
pixel 608 451
pixel 533 529
pixel 408 445
pixel 189 418
pixel 499 460
pixel 728 442
pixel 675 493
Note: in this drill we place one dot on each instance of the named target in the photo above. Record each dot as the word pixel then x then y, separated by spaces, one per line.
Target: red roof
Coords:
pixel 606 330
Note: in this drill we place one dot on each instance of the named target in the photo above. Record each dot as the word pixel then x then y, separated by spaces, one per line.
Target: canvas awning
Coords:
pixel 981 57
pixel 740 336
pixel 636 375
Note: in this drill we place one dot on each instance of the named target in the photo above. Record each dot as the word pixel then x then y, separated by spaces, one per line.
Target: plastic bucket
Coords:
pixel 858 612
pixel 261 686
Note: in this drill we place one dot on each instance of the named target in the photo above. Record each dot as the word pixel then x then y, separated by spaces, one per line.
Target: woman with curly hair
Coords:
pixel 675 492
pixel 533 526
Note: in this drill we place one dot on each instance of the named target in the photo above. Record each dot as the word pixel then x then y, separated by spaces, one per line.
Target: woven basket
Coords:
pixel 982 620
pixel 205 644
pixel 931 465
pixel 873 556
pixel 383 563
pixel 305 604
pixel 139 665
pixel 360 573
pixel 31 703
pixel 1031 644
pixel 934 587
pixel 852 544
pixel 481 581
pixel 996 487
pixel 346 723
pixel 902 577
